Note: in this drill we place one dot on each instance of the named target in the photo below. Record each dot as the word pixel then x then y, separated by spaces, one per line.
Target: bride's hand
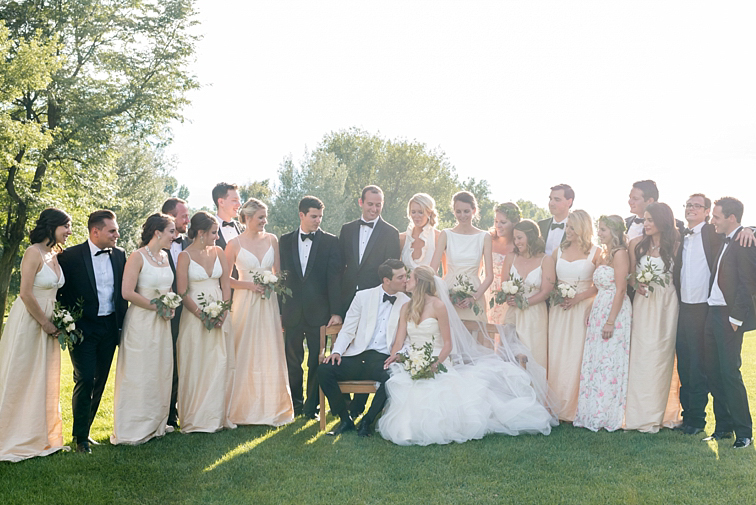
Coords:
pixel 390 360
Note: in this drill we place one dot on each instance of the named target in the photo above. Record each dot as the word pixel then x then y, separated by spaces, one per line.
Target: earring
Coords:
pixel 158 236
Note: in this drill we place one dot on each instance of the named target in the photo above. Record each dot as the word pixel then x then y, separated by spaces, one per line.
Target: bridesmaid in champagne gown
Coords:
pixel 261 393
pixel 653 387
pixel 466 247
pixel 575 261
pixel 144 372
pixel 535 269
pixel 606 354
pixel 205 357
pixel 502 242
pixel 418 243
pixel 30 422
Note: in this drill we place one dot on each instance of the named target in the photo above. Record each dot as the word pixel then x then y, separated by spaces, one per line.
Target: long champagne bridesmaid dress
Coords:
pixel 261 393
pixel 144 371
pixel 532 323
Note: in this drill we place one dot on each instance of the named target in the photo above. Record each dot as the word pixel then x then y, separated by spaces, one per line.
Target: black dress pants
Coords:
pixel 722 368
pixel 173 410
pixel 694 393
pixel 294 339
pixel 91 359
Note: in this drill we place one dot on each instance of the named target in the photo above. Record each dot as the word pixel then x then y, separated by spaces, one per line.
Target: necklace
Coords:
pixel 653 247
pixel 159 263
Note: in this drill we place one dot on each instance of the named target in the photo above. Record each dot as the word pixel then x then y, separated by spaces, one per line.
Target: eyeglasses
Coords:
pixel 696 206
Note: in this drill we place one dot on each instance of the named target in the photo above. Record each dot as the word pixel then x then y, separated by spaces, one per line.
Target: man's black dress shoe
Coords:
pixel 363 430
pixel 173 424
pixel 92 441
pixel 342 427
pixel 83 447
pixel 691 430
pixel 741 443
pixel 718 435
pixel 313 415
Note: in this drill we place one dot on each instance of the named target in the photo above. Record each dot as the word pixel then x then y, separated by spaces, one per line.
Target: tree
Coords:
pixel 260 190
pixel 532 211
pixel 107 69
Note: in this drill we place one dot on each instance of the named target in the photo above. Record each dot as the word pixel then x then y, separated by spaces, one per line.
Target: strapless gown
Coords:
pixel 30 422
pixel 464 403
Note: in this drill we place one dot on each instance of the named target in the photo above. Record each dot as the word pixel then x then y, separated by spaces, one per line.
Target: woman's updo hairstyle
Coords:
pixel 201 221
pixel 468 198
pixel 47 222
pixel 427 203
pixel 249 209
pixel 536 245
pixel 156 222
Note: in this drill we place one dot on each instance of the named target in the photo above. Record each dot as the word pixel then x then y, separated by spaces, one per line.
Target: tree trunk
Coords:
pixel 6 269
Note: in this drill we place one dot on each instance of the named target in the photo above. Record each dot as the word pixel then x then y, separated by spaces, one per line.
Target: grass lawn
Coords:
pixel 297 464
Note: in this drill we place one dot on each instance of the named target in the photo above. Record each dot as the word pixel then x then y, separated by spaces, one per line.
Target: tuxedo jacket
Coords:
pixel 76 263
pixel 737 280
pixel 185 242
pixel 383 245
pixel 221 242
pixel 629 220
pixel 712 243
pixel 315 295
pixel 360 321
pixel 545 226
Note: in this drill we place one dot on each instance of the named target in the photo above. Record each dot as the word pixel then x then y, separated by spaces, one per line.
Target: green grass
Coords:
pixel 297 464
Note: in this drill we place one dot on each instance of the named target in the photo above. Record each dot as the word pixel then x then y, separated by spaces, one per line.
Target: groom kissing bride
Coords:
pixel 364 343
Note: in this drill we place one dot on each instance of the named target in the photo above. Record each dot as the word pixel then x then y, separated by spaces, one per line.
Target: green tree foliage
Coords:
pixel 260 190
pixel 94 71
pixel 532 211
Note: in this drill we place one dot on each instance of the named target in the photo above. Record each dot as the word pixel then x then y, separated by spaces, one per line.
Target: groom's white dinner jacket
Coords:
pixel 361 318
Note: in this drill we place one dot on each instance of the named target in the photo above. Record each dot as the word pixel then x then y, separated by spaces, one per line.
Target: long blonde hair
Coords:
pixel 581 223
pixel 425 285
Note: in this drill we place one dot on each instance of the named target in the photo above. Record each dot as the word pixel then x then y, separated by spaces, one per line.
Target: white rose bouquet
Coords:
pixel 211 310
pixel 167 303
pixel 561 292
pixel 418 360
pixel 650 275
pixel 271 283
pixel 65 321
pixel 512 287
pixel 464 289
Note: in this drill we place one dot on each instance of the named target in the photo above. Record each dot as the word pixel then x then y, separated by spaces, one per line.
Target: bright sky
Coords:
pixel 525 94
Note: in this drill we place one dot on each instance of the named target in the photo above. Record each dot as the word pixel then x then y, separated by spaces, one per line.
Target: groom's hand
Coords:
pixel 333 359
pixel 335 319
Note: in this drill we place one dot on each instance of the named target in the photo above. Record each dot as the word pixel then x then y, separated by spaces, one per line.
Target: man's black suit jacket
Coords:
pixel 76 263
pixel 712 242
pixel 316 294
pixel 545 226
pixel 737 280
pixel 185 242
pixel 383 245
pixel 221 242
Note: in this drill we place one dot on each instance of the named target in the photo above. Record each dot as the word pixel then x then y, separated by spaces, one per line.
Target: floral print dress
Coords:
pixel 603 377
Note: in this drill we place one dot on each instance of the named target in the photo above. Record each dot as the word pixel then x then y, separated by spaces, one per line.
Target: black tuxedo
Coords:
pixel 221 242
pixel 545 226
pixel 315 297
pixel 694 392
pixel 736 277
pixel 383 245
pixel 92 357
pixel 173 412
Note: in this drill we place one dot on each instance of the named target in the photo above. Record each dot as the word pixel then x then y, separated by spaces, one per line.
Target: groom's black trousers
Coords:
pixel 293 343
pixel 364 366
pixel 694 393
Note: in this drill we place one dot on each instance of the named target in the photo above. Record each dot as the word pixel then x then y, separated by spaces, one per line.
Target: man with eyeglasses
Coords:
pixel 691 274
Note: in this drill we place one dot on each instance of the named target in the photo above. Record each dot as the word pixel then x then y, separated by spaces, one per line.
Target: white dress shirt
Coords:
pixel 635 230
pixel 555 236
pixel 716 298
pixel 365 233
pixel 175 250
pixel 104 280
pixel 305 246
pixel 228 232
pixel 695 274
pixel 378 342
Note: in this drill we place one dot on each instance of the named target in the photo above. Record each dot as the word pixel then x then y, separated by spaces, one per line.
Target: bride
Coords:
pixel 483 390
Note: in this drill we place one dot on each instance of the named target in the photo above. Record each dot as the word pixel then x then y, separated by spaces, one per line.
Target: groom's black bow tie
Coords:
pixel 365 223
pixel 107 250
pixel 227 223
pixel 389 298
pixel 687 231
pixel 178 239
pixel 554 226
pixel 639 220
pixel 728 240
pixel 305 236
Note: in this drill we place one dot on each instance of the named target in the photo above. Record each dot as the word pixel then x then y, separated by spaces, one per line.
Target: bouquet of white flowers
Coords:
pixel 464 289
pixel 561 292
pixel 512 287
pixel 418 361
pixel 650 275
pixel 65 321
pixel 211 310
pixel 167 303
pixel 271 283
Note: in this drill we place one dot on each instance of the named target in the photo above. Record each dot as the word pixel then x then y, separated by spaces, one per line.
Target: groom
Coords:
pixel 364 343
pixel 93 273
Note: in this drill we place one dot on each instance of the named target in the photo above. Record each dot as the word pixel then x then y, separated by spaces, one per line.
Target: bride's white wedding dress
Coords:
pixel 473 398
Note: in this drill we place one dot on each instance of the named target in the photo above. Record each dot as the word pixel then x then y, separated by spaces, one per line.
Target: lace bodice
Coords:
pixel 247 262
pixel 152 278
pixel 426 331
pixel 577 273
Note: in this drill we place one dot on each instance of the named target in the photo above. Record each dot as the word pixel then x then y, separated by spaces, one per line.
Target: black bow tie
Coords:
pixel 687 231
pixel 178 240
pixel 727 240
pixel 554 226
pixel 369 225
pixel 227 223
pixel 639 220
pixel 389 298
pixel 305 236
pixel 107 250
